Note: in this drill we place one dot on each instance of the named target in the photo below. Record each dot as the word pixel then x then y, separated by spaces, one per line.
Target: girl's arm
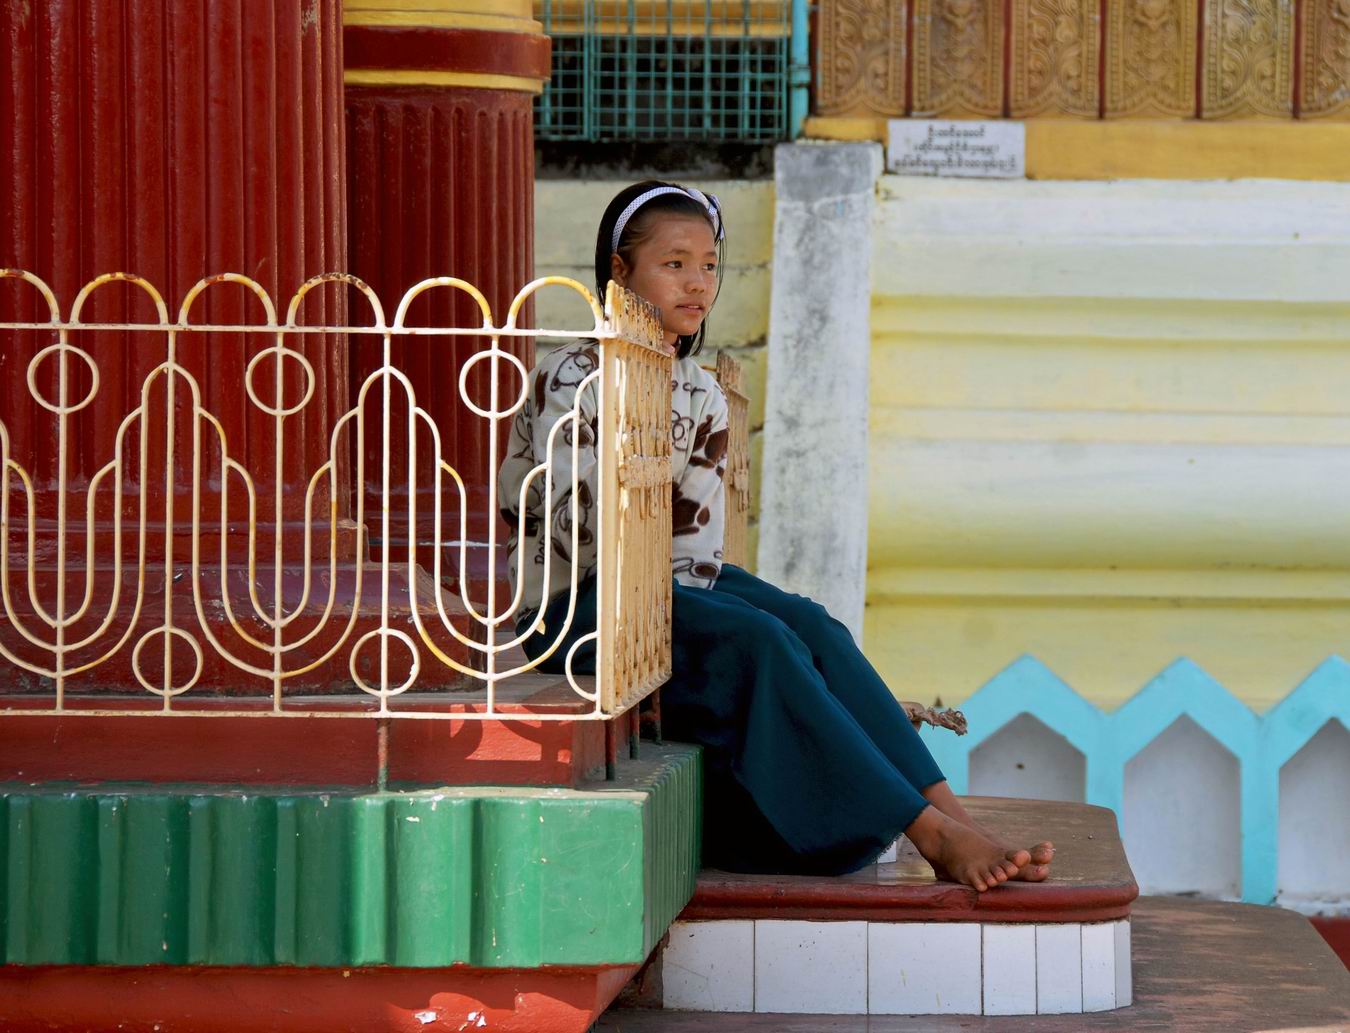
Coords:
pixel 699 502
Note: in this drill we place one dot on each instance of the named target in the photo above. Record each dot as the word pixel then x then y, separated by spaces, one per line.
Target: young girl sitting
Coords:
pixel 810 764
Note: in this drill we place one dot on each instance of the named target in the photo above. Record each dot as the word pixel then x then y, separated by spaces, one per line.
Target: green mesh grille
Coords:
pixel 711 70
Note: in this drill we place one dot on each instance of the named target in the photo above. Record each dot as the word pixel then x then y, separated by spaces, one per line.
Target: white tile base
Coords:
pixel 897 968
pixel 1059 969
pixel 709 966
pixel 811 968
pixel 1009 970
pixel 923 968
pixel 1124 966
pixel 1099 967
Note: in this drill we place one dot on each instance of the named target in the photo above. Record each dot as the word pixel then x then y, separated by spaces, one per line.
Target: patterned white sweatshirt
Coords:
pixel 698 438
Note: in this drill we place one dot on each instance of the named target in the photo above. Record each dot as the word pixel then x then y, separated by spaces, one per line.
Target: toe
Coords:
pixel 1042 853
pixel 1017 858
pixel 1036 872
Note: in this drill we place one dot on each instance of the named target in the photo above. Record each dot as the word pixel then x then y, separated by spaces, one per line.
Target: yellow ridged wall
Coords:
pixel 1110 426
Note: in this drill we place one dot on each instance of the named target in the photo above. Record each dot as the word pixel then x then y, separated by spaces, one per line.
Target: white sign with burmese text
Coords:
pixel 981 150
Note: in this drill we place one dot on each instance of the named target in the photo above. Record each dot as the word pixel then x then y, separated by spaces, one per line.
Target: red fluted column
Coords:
pixel 440 146
pixel 172 141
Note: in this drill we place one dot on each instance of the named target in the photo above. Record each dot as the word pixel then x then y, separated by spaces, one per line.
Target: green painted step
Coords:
pixel 486 876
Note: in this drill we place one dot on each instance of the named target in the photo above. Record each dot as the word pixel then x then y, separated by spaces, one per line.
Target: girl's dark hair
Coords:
pixel 635 230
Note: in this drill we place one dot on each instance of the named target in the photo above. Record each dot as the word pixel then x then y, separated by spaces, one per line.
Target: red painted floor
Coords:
pixel 1336 931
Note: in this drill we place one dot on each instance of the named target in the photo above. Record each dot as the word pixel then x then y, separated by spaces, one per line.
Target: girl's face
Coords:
pixel 675 268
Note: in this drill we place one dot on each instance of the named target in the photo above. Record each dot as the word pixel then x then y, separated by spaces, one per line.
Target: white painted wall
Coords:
pixel 1026 759
pixel 1181 824
pixel 1314 843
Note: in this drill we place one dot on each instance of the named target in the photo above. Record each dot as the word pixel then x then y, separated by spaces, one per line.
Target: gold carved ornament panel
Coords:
pixel 861 58
pixel 1325 86
pixel 1151 58
pixel 736 538
pixel 1055 49
pixel 1078 58
pixel 634 573
pixel 958 59
pixel 1248 59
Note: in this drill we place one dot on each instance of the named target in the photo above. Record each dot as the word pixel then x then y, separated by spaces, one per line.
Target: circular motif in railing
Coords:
pixel 478 357
pixel 47 403
pixel 280 353
pixel 362 684
pixel 166 632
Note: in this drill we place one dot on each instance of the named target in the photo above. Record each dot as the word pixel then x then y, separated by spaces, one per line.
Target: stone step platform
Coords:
pixel 1199 966
pixel 891 939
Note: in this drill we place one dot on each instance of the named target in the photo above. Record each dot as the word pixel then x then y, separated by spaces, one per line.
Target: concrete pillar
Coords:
pixel 813 516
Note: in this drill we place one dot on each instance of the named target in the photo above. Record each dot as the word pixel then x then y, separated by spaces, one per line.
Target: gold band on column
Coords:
pixel 494 15
pixel 436 77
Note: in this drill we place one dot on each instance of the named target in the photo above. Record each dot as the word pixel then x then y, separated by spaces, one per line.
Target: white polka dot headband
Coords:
pixel 709 201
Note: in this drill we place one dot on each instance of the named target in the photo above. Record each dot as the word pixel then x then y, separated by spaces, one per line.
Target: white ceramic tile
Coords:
pixel 1059 969
pixel 709 966
pixel 1010 970
pixel 811 967
pixel 1124 966
pixel 888 855
pixel 923 968
pixel 1099 966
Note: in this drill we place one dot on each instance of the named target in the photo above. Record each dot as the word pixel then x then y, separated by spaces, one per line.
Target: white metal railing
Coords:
pixel 62 639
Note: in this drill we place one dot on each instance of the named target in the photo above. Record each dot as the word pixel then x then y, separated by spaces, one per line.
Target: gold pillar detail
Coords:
pixel 1055 47
pixel 1326 59
pixel 1150 58
pixel 862 57
pixel 495 15
pixel 958 58
pixel 1248 59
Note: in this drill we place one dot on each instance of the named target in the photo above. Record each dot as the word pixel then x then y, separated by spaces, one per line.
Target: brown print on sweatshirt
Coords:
pixel 698 437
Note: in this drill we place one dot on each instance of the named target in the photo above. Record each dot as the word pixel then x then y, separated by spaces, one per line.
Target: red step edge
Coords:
pixel 830 900
pixel 301 751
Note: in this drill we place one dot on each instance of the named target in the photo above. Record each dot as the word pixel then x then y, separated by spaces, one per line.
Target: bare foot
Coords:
pixel 962 854
pixel 1035 869
pixel 1039 868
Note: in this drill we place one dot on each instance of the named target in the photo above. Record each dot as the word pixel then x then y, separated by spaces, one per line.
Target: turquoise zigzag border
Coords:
pixel 1262 743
